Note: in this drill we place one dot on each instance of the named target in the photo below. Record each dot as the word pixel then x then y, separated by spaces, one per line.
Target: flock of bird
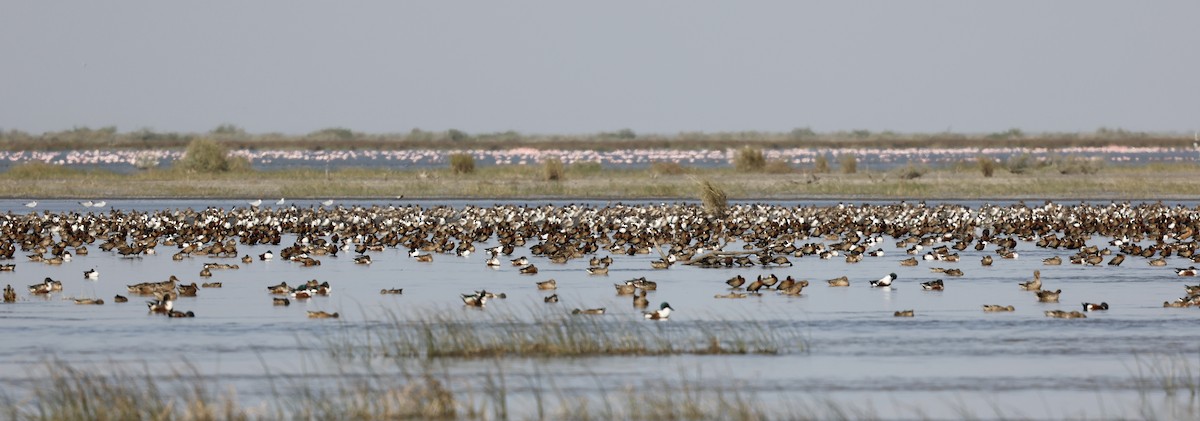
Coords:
pixel 769 236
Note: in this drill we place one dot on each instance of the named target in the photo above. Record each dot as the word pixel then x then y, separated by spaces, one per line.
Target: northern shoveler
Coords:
pixel 934 285
pixel 1094 306
pixel 663 312
pixel 885 281
pixel 553 298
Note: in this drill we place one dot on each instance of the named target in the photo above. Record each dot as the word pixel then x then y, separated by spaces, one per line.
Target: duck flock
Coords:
pixel 522 237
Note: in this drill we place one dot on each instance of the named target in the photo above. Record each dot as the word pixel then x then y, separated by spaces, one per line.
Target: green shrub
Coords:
pixel 749 159
pixel 207 156
pixel 553 170
pixel 462 163
pixel 778 166
pixel 987 165
pixel 849 162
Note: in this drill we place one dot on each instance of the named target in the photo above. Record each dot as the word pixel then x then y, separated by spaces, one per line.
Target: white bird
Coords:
pixel 327 203
pixel 885 281
pixel 31 204
pixel 256 203
pixel 662 313
pixel 99 204
pixel 280 202
pixel 91 274
pixel 86 203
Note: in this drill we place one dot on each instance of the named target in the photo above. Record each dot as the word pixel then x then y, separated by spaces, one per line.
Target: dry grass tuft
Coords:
pixel 462 163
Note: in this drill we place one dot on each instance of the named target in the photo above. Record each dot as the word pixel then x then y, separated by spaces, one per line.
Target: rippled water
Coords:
pixel 949 359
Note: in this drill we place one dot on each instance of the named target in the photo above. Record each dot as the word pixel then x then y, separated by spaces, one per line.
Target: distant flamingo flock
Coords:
pixel 267 159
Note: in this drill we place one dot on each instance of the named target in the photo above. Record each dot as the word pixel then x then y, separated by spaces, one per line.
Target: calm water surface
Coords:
pixel 951 359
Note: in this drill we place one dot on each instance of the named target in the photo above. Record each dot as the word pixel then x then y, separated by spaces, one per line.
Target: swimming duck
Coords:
pixel 89 301
pixel 596 270
pixel 1192 289
pixel 281 301
pixel 188 290
pixel 520 261
pixel 322 315
pixel 663 312
pixel 205 273
pixel 1117 260
pixel 592 311
pixel 1179 303
pixel 162 305
pixel 393 291
pixel 1094 306
pixel 1158 262
pixel 626 288
pixel 996 307
pixel 904 313
pixel 363 260
pixel 1049 296
pixel 550 284
pixel 640 301
pixel 531 269
pixel 212 285
pixel 247 259
pixel 180 314
pixel 266 256
pixel 474 300
pixel 986 260
pixel 553 298
pixel 47 286
pixel 732 295
pixel 1052 261
pixel 839 282
pixel 1035 284
pixel 934 285
pixel 954 272
pixel 494 261
pixel 911 261
pixel 1188 271
pixel 10 295
pixel 885 281
pixel 120 299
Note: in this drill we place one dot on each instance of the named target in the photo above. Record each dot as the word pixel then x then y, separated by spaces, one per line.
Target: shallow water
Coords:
pixel 951 359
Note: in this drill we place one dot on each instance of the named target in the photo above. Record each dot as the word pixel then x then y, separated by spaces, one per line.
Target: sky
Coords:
pixel 569 67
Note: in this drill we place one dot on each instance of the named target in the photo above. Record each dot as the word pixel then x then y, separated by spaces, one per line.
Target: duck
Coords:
pixel 552 298
pixel 986 260
pixel 247 259
pixel 595 270
pixel 1094 306
pixel 362 260
pixel 10 295
pixel 474 300
pixel 89 301
pixel 188 290
pixel 281 301
pixel 120 299
pixel 1192 289
pixel 392 291
pixel 425 258
pixel 47 286
pixel 520 261
pixel 953 272
pixel 732 295
pixel 1048 296
pixel 205 273
pixel 1035 284
pixel 322 315
pixel 162 305
pixel 885 281
pixel 8 267
pixel 592 311
pixel 549 284
pixel 904 313
pixel 530 269
pixel 1188 271
pixel 663 312
pixel 494 261
pixel 934 285
pixel 1179 303
pixel 180 314
pixel 911 261
pixel 1052 261
pixel 997 308
pixel 212 285
pixel 736 282
pixel 1061 314
pixel 282 288
pixel 1158 262
pixel 839 282
pixel 640 301
pixel 1117 260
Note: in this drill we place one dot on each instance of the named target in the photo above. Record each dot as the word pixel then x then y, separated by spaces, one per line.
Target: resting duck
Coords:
pixel 266 256
pixel 954 272
pixel 212 285
pixel 282 288
pixel 1049 296
pixel 626 288
pixel 934 285
pixel 393 291
pixel 904 313
pixel 986 260
pixel 363 260
pixel 885 281
pixel 593 311
pixel 595 270
pixel 737 282
pixel 120 299
pixel 1188 271
pixel 553 298
pixel 10 295
pixel 663 312
pixel 1192 289
pixel 89 301
pixel 996 308
pixel 281 301
pixel 1052 261
pixel 839 282
pixel 1094 306
pixel 1060 314
pixel 322 315
pixel 531 269
pixel 180 314
pixel 520 261
pixel 550 284
pixel 91 274
pixel 640 301
pixel 732 295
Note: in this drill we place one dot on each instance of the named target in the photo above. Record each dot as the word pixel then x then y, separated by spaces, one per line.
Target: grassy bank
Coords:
pixel 41 181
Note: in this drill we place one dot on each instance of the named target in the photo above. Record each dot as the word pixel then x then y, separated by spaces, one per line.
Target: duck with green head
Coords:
pixel 663 312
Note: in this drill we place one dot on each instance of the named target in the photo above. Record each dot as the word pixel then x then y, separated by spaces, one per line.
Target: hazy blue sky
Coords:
pixel 575 67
